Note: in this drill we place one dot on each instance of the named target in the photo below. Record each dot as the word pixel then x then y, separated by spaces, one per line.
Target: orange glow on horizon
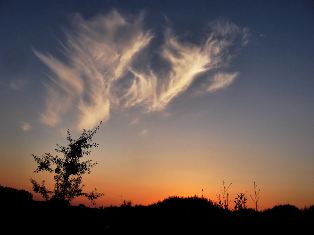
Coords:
pixel 147 196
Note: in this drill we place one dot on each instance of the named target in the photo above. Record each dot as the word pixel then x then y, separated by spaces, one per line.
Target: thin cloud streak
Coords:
pixel 101 54
pixel 221 81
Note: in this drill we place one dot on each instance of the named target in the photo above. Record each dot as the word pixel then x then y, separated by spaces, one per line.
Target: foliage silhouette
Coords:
pixel 240 202
pixel 68 169
pixel 126 204
pixel 186 203
pixel 286 210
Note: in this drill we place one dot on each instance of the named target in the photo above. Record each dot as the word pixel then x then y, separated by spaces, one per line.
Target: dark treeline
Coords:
pixel 20 214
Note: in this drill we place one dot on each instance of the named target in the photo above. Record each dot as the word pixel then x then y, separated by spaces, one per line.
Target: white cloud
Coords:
pixel 99 51
pixel 57 103
pixel 25 126
pixel 101 54
pixel 187 61
pixel 142 90
pixel 221 81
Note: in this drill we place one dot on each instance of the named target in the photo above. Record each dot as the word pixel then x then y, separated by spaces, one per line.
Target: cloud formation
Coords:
pixel 221 80
pixel 102 70
pixel 25 126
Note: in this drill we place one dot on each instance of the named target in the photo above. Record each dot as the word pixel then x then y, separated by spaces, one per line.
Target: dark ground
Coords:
pixel 21 215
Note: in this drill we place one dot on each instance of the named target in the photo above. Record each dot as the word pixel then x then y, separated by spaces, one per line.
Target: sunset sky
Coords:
pixel 190 93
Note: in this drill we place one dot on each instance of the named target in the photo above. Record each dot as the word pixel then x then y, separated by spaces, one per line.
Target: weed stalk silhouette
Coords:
pixel 223 198
pixel 256 196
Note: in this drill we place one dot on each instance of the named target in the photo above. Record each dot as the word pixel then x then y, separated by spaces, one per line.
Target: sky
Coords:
pixel 191 93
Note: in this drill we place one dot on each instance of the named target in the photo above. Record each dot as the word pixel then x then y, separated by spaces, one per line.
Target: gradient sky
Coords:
pixel 191 93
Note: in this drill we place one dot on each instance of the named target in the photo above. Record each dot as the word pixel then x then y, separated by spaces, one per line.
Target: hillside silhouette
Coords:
pixel 21 214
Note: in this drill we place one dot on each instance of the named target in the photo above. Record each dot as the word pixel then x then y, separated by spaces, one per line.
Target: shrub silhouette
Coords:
pixel 126 204
pixel 68 169
pixel 283 211
pixel 240 202
pixel 185 203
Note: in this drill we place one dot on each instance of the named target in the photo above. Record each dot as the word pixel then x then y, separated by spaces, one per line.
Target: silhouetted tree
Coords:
pixel 68 169
pixel 240 202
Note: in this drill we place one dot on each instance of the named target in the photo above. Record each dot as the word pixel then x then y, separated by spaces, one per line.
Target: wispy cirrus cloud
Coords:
pixel 187 62
pixel 221 81
pixel 99 52
pixel 101 68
